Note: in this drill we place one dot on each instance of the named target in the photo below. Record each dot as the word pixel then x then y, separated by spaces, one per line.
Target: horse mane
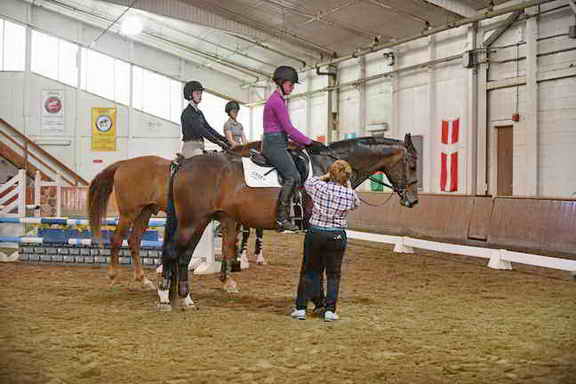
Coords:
pixel 368 140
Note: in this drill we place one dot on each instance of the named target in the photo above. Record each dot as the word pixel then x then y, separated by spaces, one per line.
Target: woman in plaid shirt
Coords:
pixel 325 241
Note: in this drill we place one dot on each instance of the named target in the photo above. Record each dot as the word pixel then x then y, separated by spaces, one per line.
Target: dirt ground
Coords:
pixel 417 319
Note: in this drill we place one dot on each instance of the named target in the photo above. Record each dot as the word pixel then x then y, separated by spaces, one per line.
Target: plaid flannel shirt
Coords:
pixel 331 202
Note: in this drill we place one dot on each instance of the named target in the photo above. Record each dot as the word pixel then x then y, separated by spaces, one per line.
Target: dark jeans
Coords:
pixel 323 251
pixel 275 148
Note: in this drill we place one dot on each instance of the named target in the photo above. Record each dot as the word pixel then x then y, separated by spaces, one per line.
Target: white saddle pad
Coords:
pixel 263 177
pixel 259 177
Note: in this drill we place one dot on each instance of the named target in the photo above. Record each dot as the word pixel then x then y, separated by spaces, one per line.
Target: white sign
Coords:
pixel 52 116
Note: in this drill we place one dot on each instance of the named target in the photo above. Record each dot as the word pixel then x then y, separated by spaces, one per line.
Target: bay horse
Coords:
pixel 140 187
pixel 212 186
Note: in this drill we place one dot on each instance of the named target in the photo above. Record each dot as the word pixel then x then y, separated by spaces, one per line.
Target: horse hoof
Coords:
pixel 148 285
pixel 162 307
pixel 188 303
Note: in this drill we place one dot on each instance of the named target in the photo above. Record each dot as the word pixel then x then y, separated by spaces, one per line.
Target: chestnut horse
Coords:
pixel 140 187
pixel 212 186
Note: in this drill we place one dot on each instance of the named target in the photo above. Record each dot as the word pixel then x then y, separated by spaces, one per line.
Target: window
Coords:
pixel 12 46
pixel 156 94
pixel 105 76
pixel 54 58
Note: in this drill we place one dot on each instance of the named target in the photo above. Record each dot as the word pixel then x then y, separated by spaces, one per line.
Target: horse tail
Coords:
pixel 168 249
pixel 98 195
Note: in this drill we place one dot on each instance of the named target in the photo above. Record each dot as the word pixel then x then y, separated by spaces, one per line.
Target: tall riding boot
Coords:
pixel 283 224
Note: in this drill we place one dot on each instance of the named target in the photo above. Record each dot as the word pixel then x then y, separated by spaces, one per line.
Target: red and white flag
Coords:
pixel 449 156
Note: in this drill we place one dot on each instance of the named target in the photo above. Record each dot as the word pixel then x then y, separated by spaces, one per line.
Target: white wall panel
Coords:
pixel 557 138
pixel 90 163
pixel 319 115
pixel 297 111
pixel 348 113
pixel 12 98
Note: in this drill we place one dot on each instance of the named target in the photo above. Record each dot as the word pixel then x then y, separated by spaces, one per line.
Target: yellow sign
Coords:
pixel 103 129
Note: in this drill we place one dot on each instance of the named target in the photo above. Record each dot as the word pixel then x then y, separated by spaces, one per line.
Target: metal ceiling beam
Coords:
pixel 321 17
pixel 102 22
pixel 267 29
pixel 501 29
pixel 458 23
pixel 237 51
pixel 268 48
pixel 398 12
pixel 454 6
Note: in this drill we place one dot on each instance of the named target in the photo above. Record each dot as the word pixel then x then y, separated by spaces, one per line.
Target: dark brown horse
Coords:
pixel 212 186
pixel 140 187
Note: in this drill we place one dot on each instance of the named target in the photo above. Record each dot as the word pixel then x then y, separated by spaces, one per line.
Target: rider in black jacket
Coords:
pixel 195 128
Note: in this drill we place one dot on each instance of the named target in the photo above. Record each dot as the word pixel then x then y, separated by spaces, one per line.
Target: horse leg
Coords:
pixel 258 247
pixel 169 274
pixel 229 236
pixel 186 242
pixel 244 263
pixel 118 236
pixel 138 229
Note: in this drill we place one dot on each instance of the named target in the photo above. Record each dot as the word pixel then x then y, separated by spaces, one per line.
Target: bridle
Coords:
pixel 400 188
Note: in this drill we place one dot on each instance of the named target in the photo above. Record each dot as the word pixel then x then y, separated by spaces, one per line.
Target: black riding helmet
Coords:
pixel 190 87
pixel 285 73
pixel 231 106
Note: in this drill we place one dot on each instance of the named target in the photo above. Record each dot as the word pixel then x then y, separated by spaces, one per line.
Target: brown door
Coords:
pixel 505 162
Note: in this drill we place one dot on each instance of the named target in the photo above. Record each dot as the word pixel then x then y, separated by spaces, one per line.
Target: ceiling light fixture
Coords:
pixel 131 26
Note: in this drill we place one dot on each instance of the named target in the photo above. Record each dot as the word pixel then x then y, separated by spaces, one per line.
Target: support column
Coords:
pixel 429 175
pixel 332 109
pixel 472 119
pixel 362 98
pixel 531 163
pixel 27 107
pixel 395 96
pixel 308 128
pixel 76 145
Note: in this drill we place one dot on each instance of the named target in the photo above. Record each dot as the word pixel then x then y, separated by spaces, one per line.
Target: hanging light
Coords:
pixel 131 25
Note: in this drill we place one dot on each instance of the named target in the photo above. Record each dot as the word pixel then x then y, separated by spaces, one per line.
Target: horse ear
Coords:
pixel 408 140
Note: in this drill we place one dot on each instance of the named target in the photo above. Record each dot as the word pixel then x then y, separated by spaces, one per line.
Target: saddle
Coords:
pixel 298 204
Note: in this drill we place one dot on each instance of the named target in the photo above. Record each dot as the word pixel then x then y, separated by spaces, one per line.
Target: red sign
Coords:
pixel 53 104
pixel 451 157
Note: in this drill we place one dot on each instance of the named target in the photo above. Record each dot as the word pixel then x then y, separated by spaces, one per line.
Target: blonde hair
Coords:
pixel 340 172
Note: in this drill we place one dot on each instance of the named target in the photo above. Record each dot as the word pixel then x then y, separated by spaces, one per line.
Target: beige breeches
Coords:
pixel 192 148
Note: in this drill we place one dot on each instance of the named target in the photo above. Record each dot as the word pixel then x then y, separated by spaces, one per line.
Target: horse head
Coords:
pixel 395 158
pixel 403 175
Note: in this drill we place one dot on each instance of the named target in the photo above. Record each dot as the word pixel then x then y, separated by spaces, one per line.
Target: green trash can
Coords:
pixel 375 187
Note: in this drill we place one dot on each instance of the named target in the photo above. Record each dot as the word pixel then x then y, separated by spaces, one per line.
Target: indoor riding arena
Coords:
pixel 144 212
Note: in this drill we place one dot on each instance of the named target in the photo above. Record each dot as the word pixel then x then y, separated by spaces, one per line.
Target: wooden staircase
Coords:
pixel 23 153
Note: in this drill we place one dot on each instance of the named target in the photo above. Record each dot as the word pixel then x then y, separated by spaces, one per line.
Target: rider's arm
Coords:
pixel 230 137
pixel 212 135
pixel 281 112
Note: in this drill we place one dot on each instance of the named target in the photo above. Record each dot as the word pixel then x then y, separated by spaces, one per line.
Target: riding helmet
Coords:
pixel 232 106
pixel 190 87
pixel 285 73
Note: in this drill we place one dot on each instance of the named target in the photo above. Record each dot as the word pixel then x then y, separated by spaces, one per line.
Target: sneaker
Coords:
pixel 299 314
pixel 330 316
